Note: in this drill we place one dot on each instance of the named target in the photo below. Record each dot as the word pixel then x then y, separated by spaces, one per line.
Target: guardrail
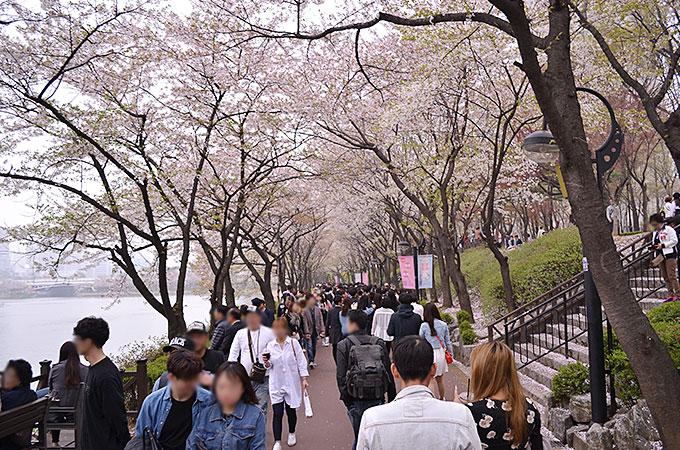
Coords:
pixel 496 330
pixel 551 325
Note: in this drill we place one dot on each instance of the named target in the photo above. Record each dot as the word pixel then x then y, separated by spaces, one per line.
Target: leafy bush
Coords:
pixel 156 368
pixel 448 318
pixel 631 233
pixel 468 336
pixel 535 267
pixel 462 316
pixel 572 379
pixel 665 320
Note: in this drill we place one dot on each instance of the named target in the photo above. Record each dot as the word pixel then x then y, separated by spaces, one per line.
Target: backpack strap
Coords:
pixel 353 339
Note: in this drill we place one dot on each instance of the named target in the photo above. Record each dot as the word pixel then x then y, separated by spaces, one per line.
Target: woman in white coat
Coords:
pixel 287 378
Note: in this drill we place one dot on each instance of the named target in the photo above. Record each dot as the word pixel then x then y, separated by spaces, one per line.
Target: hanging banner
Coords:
pixel 357 277
pixel 408 274
pixel 364 278
pixel 336 279
pixel 425 273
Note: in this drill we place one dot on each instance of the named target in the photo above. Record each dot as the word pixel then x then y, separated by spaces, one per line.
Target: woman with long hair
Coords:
pixel 63 382
pixel 234 421
pixel 287 378
pixel 436 333
pixel 294 320
pixel 346 306
pixel 505 418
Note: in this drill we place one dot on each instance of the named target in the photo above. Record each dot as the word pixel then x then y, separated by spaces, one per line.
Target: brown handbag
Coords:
pixel 658 259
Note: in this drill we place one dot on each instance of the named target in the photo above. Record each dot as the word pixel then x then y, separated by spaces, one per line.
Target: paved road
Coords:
pixel 330 427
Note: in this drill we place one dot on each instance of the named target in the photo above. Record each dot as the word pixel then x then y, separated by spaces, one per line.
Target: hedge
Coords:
pixel 665 320
pixel 535 267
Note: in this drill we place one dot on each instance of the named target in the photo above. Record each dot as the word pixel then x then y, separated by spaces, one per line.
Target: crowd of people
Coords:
pixel 216 392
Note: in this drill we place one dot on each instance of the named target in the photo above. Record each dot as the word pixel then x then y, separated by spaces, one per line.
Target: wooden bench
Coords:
pixel 23 419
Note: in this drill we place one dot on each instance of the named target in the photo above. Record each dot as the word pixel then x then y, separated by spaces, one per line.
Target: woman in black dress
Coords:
pixel 505 418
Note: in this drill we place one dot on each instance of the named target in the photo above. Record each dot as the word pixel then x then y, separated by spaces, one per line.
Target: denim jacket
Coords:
pixel 156 407
pixel 244 429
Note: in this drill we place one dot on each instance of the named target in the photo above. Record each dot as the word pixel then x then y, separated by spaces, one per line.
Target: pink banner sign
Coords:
pixel 364 278
pixel 408 274
pixel 336 279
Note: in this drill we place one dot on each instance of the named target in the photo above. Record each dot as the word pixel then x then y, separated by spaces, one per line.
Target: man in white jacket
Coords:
pixel 664 241
pixel 416 419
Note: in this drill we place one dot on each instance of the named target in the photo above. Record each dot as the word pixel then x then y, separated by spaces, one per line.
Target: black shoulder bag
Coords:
pixel 257 371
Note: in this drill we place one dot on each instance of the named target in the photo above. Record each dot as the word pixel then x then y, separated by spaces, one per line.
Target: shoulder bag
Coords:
pixel 449 358
pixel 257 371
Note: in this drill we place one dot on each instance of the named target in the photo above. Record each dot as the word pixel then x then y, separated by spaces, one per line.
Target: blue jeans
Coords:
pixel 310 346
pixel 356 412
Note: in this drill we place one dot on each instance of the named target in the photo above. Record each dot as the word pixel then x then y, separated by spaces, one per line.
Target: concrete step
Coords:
pixel 537 392
pixel 557 330
pixel 546 341
pixel 649 303
pixel 538 372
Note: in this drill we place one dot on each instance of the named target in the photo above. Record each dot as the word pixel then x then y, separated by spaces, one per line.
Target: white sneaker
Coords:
pixel 277 446
pixel 291 439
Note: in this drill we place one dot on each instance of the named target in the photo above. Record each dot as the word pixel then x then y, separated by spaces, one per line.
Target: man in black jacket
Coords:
pixel 104 422
pixel 404 322
pixel 234 318
pixel 356 326
pixel 333 325
pixel 221 327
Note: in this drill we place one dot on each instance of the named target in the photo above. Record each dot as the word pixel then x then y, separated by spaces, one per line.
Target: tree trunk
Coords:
pixel 229 292
pixel 456 275
pixel 444 277
pixel 176 323
pixel 555 92
pixel 505 271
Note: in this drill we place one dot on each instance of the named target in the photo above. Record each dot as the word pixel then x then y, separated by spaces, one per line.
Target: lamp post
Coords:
pixel 541 148
pixel 403 247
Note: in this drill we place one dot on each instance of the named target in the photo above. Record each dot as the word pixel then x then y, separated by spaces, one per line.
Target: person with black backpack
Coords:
pixel 363 370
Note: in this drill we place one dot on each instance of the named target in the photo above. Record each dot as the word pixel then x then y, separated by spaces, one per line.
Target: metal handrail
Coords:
pixel 562 310
pixel 577 279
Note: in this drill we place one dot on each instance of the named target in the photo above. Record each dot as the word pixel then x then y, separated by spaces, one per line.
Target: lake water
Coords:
pixel 34 329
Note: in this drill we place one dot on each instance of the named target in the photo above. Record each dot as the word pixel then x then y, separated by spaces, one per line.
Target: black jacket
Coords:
pixel 230 334
pixel 217 342
pixel 404 323
pixel 343 359
pixel 333 325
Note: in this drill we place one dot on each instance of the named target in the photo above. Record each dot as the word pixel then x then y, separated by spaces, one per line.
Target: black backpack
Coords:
pixel 367 377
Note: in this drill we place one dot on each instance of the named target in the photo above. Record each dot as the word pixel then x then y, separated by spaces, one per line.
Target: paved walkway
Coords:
pixel 330 427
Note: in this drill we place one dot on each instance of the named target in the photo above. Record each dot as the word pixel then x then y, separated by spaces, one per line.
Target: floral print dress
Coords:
pixel 492 426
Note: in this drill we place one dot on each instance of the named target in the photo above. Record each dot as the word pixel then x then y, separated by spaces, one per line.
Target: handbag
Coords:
pixel 449 358
pixel 153 443
pixel 308 404
pixel 658 259
pixel 258 371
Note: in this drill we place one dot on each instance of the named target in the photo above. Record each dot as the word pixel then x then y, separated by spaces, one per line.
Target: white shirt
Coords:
pixel 669 209
pixel 381 319
pixel 288 364
pixel 418 309
pixel 416 420
pixel 239 347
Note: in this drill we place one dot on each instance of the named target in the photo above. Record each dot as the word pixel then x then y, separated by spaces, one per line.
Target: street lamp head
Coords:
pixel 540 147
pixel 403 247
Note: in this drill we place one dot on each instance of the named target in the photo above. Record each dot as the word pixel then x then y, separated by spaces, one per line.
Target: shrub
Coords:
pixel 464 325
pixel 156 368
pixel 462 316
pixel 535 267
pixel 448 318
pixel 665 320
pixel 468 335
pixel 572 379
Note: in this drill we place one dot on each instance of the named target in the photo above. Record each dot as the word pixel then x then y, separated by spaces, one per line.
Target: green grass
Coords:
pixel 535 267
